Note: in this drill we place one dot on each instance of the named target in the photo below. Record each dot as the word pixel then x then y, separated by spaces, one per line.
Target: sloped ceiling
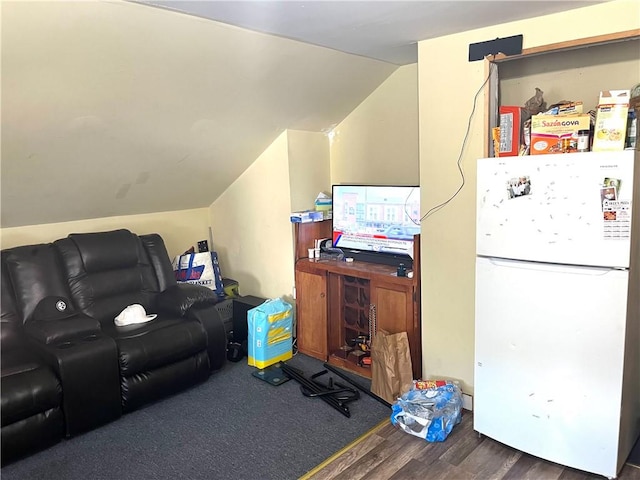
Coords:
pixel 114 108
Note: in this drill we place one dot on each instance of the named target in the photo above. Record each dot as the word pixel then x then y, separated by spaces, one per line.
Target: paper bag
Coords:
pixel 391 373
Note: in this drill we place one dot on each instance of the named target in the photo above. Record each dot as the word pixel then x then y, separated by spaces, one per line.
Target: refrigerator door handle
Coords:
pixel 555 267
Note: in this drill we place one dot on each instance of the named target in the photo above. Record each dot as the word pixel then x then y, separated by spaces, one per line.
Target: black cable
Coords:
pixel 464 143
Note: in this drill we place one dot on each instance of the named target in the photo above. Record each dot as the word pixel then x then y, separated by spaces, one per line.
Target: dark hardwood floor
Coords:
pixel 389 453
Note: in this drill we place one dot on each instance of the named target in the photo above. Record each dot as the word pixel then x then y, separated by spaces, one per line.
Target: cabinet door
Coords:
pixel 311 307
pixel 393 306
pixel 394 310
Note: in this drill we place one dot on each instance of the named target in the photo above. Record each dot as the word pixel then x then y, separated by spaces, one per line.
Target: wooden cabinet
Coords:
pixel 337 302
pixel 311 305
pixel 396 308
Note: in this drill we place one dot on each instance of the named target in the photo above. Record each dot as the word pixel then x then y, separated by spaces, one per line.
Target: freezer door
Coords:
pixel 549 346
pixel 570 208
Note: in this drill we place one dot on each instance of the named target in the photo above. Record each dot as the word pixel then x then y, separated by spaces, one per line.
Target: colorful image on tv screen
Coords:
pixel 376 218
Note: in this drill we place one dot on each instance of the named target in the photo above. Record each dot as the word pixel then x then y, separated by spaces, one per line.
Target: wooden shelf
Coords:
pixel 349 364
pixel 363 270
pixel 338 301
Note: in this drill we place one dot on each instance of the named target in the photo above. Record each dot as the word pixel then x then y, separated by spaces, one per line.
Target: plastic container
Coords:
pixel 429 413
pixel 583 140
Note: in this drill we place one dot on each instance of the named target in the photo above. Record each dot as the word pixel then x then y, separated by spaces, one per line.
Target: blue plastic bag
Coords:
pixel 428 413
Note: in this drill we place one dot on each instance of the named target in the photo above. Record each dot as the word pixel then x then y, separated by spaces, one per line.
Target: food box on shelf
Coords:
pixel 556 133
pixel 511 136
pixel 611 120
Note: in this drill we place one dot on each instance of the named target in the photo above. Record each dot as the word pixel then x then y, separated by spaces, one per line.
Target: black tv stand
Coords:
pixel 382 258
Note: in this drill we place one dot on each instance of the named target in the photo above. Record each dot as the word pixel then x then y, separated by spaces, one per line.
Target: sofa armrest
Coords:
pixel 211 321
pixel 179 299
pixel 50 332
pixel 87 367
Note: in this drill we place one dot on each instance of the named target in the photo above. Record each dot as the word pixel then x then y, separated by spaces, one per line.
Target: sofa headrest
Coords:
pixel 107 250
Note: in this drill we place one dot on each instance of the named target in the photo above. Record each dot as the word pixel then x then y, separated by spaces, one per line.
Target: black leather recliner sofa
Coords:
pixel 31 392
pixel 66 295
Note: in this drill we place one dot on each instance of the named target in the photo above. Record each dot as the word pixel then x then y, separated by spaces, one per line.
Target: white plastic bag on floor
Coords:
pixel 429 413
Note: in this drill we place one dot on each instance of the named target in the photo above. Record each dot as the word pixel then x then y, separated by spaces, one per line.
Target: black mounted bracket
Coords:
pixel 335 394
pixel 507 46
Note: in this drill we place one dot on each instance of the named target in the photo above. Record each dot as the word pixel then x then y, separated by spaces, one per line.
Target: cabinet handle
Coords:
pixel 373 327
pixel 322 295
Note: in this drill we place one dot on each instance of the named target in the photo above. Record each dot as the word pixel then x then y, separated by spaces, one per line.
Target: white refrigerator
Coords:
pixel 557 335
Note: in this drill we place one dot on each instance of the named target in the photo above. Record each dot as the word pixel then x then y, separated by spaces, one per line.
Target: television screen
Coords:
pixel 376 218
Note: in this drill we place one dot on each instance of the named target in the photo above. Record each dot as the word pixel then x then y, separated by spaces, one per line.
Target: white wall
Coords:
pixel 308 167
pixel 251 227
pixel 180 230
pixel 447 85
pixel 378 141
pixel 250 222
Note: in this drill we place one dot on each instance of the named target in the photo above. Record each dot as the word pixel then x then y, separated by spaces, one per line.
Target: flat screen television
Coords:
pixel 376 223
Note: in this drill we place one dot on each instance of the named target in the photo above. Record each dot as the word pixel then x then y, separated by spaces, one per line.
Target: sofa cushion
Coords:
pixel 31 434
pixel 145 346
pixel 27 387
pixel 145 387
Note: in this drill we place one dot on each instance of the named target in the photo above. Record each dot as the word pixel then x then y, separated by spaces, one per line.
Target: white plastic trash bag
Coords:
pixel 199 269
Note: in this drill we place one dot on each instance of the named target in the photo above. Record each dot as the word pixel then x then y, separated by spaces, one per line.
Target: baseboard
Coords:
pixel 467 402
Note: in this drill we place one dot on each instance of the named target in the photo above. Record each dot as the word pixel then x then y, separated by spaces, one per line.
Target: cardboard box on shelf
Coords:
pixel 556 133
pixel 306 216
pixel 611 120
pixel 323 202
pixel 570 108
pixel 511 136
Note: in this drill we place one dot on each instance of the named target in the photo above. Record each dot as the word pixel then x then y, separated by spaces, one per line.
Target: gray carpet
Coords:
pixel 233 426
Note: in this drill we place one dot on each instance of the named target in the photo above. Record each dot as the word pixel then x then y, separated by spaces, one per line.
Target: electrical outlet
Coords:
pixel 467 402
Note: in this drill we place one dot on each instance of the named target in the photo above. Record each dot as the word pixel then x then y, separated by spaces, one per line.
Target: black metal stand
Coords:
pixel 335 394
pixel 357 385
